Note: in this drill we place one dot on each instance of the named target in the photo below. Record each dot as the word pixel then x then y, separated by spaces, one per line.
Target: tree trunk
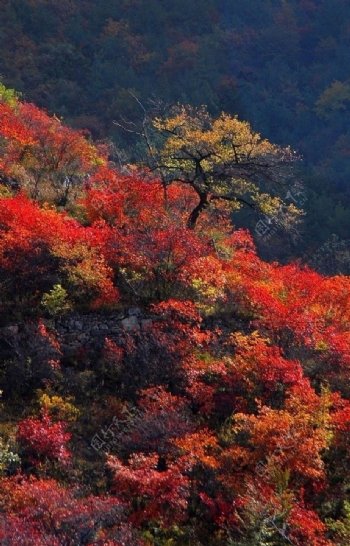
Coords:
pixel 202 205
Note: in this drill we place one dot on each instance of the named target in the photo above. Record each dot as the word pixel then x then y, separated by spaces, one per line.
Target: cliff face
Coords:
pixel 67 336
pixel 76 331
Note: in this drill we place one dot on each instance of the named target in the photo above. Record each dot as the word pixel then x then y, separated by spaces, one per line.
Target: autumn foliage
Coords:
pixel 231 403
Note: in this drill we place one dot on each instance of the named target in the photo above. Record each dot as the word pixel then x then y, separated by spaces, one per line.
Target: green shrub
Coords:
pixel 56 301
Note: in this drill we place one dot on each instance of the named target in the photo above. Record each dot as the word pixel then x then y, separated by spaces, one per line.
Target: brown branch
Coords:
pixel 202 205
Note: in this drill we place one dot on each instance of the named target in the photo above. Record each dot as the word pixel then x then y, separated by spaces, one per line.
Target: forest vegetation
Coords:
pixel 174 259
pixel 221 416
pixel 281 65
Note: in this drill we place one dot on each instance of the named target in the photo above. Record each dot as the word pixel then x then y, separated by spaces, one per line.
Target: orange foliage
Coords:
pixel 240 379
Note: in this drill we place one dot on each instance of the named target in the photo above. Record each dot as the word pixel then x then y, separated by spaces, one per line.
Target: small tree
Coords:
pixel 222 159
pixel 56 302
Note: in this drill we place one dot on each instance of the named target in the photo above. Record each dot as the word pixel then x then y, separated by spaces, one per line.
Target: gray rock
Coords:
pixel 11 330
pixel 114 329
pixel 130 324
pixel 134 311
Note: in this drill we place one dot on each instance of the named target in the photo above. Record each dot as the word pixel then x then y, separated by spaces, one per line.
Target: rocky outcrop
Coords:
pixel 76 330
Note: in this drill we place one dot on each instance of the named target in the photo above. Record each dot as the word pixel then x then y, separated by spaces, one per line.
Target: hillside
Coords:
pixel 282 65
pixel 161 383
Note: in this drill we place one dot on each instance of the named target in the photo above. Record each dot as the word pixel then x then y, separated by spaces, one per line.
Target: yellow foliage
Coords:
pixel 58 407
pixel 334 99
pixel 224 159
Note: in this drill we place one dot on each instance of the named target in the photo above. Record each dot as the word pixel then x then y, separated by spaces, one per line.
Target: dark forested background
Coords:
pixel 281 64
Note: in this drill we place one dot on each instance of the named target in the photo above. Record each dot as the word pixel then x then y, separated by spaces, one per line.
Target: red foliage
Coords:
pixel 229 416
pixel 56 247
pixel 38 149
pixel 12 127
pixel 306 528
pixel 42 439
pixel 180 320
pixel 162 493
pixel 40 512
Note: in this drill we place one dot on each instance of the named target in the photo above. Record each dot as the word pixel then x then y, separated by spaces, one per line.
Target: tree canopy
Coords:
pixel 222 159
pixel 208 402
